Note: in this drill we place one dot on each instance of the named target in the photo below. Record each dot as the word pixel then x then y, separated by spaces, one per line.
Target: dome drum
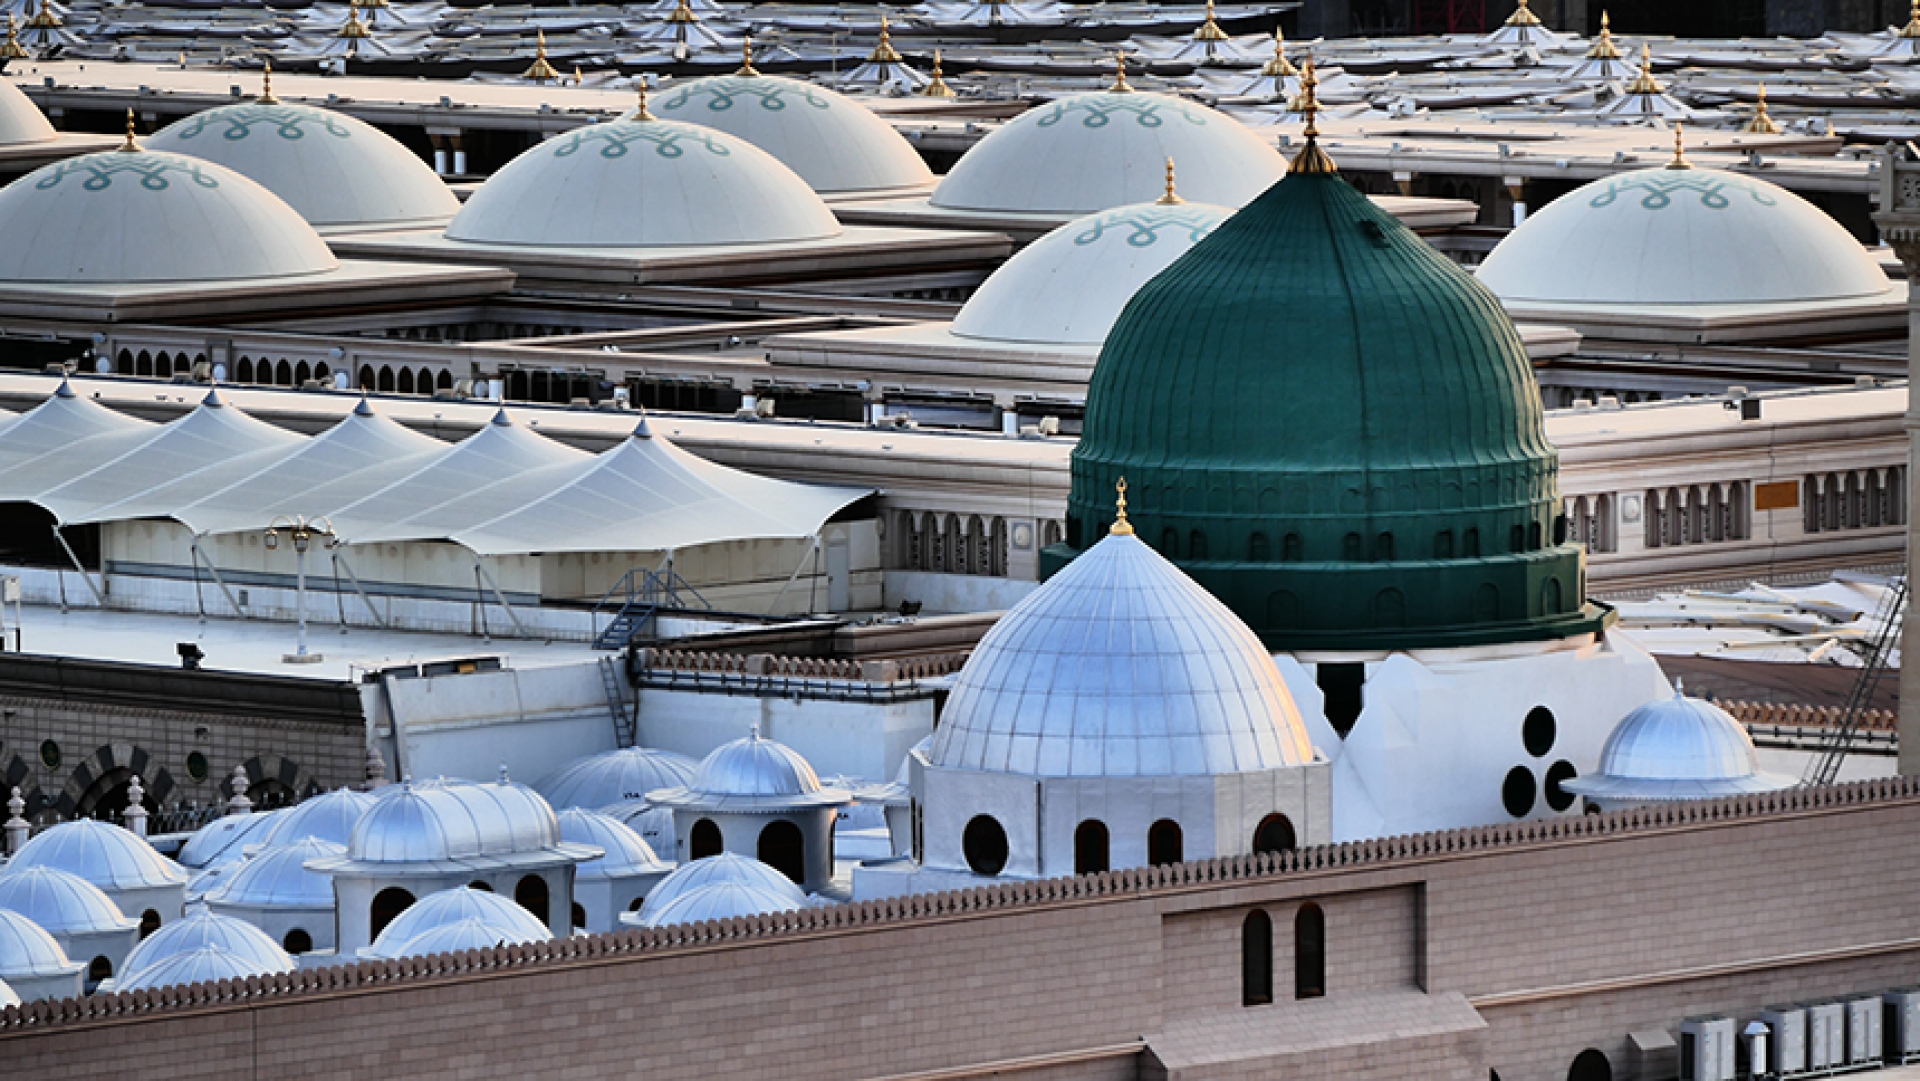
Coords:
pixel 797 840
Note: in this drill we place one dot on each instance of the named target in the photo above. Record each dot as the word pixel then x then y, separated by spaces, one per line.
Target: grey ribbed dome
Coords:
pixel 726 868
pixel 468 934
pixel 62 903
pixel 329 816
pixel 626 851
pixel 225 838
pixel 199 929
pixel 721 901
pixel 754 773
pixel 513 923
pixel 1677 748
pixel 27 950
pixel 614 777
pixel 431 822
pixel 205 964
pixel 109 856
pixel 277 877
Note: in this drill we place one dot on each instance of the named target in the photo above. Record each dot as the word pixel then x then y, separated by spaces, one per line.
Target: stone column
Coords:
pixel 136 813
pixel 16 826
pixel 1899 220
pixel 239 804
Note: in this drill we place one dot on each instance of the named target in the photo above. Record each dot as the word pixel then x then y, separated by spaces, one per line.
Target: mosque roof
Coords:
pixel 1677 748
pixel 507 919
pixel 62 903
pixel 327 816
pixel 201 928
pixel 435 826
pixel 109 856
pixel 21 121
pixel 277 877
pixel 626 853
pixel 1120 665
pixel 224 839
pixel 752 774
pixel 727 868
pixel 627 773
pixel 722 901
pixel 206 964
pixel 27 950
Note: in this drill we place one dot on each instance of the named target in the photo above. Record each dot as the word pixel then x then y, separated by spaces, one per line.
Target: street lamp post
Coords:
pixel 304 531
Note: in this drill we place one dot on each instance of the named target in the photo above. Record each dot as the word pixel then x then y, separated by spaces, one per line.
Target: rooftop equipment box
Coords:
pixel 1900 1023
pixel 1826 1035
pixel 1706 1049
pixel 1787 1047
pixel 1863 1030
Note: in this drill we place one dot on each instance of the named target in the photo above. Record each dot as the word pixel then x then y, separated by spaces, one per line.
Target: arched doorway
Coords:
pixel 1164 843
pixel 530 893
pixel 1273 835
pixel 1590 1065
pixel 782 848
pixel 579 915
pixel 149 923
pixel 106 797
pixel 297 942
pixel 984 843
pixel 1309 952
pixel 1256 959
pixel 705 841
pixel 387 904
pixel 1090 848
pixel 100 969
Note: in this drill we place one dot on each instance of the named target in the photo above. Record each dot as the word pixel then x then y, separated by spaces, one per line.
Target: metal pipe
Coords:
pixel 217 580
pixel 98 598
pixel 478 570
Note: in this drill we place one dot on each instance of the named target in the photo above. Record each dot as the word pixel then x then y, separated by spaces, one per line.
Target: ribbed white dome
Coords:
pixel 329 816
pixel 62 903
pixel 753 773
pixel 27 950
pixel 277 877
pixel 207 964
pixel 226 838
pixel 1120 665
pixel 144 216
pixel 109 856
pixel 428 823
pixel 1068 287
pixel 651 183
pixel 331 168
pixel 514 924
pixel 626 852
pixel 653 824
pixel 1095 151
pixel 457 937
pixel 723 901
pixel 1677 748
pixel 201 928
pixel 617 776
pixel 833 142
pixel 1680 236
pixel 21 121
pixel 727 868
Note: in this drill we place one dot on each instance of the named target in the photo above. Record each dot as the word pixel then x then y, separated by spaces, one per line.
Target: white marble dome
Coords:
pixel 431 823
pixel 1105 149
pixel 129 216
pixel 509 920
pixel 1676 748
pixel 201 928
pixel 329 816
pixel 1120 666
pixel 1068 287
pixel 206 964
pixel 722 901
pixel 333 169
pixel 1680 236
pixel 109 856
pixel 643 184
pixel 456 937
pixel 833 142
pixel 21 121
pixel 752 773
pixel 278 877
pixel 626 852
pixel 616 776
pixel 28 951
pixel 63 904
pixel 727 868
pixel 226 838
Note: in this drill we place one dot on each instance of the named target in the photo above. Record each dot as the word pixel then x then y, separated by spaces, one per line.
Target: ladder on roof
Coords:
pixel 1825 765
pixel 624 722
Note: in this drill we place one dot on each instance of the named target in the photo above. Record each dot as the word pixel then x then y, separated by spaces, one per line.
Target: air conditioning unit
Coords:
pixel 1706 1049
pixel 1900 1024
pixel 1826 1035
pixel 1863 1030
pixel 1787 1047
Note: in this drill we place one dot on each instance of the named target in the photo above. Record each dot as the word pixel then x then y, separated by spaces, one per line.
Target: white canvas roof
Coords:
pixel 61 438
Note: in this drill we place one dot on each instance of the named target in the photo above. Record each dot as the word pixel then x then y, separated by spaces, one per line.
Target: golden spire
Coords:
pixel 746 56
pixel 640 84
pixel 1760 123
pixel 13 50
pixel 1120 74
pixel 266 85
pixel 1912 29
pixel 883 50
pixel 1523 16
pixel 353 27
pixel 578 79
pixel 1679 149
pixel 1121 527
pixel 938 88
pixel 1311 159
pixel 1210 30
pixel 1172 197
pixel 132 145
pixel 540 69
pixel 1603 46
pixel 1645 83
pixel 682 13
pixel 1279 67
pixel 44 17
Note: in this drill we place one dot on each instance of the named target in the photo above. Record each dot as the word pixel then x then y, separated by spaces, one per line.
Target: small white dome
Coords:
pixel 459 936
pixel 753 773
pixel 59 902
pixel 28 951
pixel 1100 150
pixel 833 142
pixel 514 924
pixel 1677 748
pixel 727 868
pixel 21 121
pixel 207 964
pixel 143 216
pixel 722 901
pixel 331 168
pixel 329 816
pixel 1120 665
pixel 427 823
pixel 1680 236
pixel 1068 287
pixel 109 856
pixel 611 777
pixel 653 824
pixel 277 877
pixel 225 839
pixel 199 929
pixel 626 852
pixel 639 184
pixel 212 878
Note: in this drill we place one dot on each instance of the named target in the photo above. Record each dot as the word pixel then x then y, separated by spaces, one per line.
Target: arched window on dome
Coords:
pixel 984 843
pixel 1292 549
pixel 530 893
pixel 100 969
pixel 297 942
pixel 579 916
pixel 1165 843
pixel 1090 848
pixel 1309 952
pixel 1257 548
pixel 387 904
pixel 782 848
pixel 483 887
pixel 1273 835
pixel 1256 959
pixel 705 840
pixel 1550 597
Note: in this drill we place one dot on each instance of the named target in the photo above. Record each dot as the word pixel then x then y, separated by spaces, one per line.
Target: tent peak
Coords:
pixel 364 409
pixel 64 390
pixel 643 430
pixel 501 419
pixel 213 398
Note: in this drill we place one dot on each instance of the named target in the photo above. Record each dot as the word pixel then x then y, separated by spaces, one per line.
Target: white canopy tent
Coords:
pixel 59 439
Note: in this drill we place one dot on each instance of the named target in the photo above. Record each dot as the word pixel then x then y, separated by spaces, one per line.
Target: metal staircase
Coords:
pixel 1825 765
pixel 636 599
pixel 625 722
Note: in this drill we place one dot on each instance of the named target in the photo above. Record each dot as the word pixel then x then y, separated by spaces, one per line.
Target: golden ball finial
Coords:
pixel 1279 67
pixel 1121 527
pixel 640 86
pixel 1679 149
pixel 266 84
pixel 746 56
pixel 13 50
pixel 1760 123
pixel 540 70
pixel 1172 197
pixel 1311 158
pixel 937 87
pixel 1120 74
pixel 132 145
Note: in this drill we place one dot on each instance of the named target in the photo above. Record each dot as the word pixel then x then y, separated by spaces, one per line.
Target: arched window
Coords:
pixel 1256 959
pixel 1309 952
pixel 243 371
pixel 784 849
pixel 984 843
pixel 386 380
pixel 1164 843
pixel 530 893
pixel 1350 548
pixel 634 905
pixel 1550 596
pixel 443 381
pixel 387 904
pixel 1257 551
pixel 1443 544
pixel 1383 548
pixel 149 923
pixel 322 372
pixel 100 969
pixel 1470 544
pixel 301 373
pixel 1090 848
pixel 483 887
pixel 1170 543
pixel 1274 834
pixel 1196 545
pixel 1533 537
pixel 283 373
pixel 297 942
pixel 1292 549
pixel 579 916
pixel 423 382
pixel 143 364
pixel 367 378
pixel 705 840
pixel 1590 1065
pixel 405 384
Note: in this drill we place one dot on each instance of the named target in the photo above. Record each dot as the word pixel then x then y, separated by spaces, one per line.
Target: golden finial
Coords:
pixel 44 18
pixel 938 88
pixel 266 85
pixel 682 13
pixel 640 85
pixel 1120 74
pixel 1172 197
pixel 540 71
pixel 132 145
pixel 1679 149
pixel 578 79
pixel 1644 82
pixel 1311 159
pixel 883 50
pixel 1279 67
pixel 1121 527
pixel 1603 46
pixel 1209 30
pixel 746 56
pixel 13 50
pixel 1760 123
pixel 1912 29
pixel 353 27
pixel 1523 16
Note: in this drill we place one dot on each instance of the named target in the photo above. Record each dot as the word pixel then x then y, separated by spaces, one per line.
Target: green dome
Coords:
pixel 1336 431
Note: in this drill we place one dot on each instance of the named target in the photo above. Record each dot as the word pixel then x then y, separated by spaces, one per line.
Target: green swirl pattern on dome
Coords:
pixel 1334 429
pixel 1143 226
pixel 1099 110
pixel 236 122
pixel 725 91
pixel 1658 189
pixel 620 137
pixel 154 172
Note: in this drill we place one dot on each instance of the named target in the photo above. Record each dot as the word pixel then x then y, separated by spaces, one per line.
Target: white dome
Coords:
pixel 331 168
pixel 1680 236
pixel 653 824
pixel 458 936
pixel 611 777
pixel 109 856
pixel 142 216
pixel 723 901
pixel 427 823
pixel 28 951
pixel 199 929
pixel 329 816
pixel 1095 151
pixel 21 121
pixel 207 964
pixel 1677 748
pixel 753 773
pixel 62 903
pixel 833 142
pixel 1120 665
pixel 210 879
pixel 224 839
pixel 650 183
pixel 1068 287
pixel 727 868
pixel 514 923
pixel 626 852
pixel 277 877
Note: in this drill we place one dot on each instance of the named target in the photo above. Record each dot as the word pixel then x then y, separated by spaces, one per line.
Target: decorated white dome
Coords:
pixel 329 816
pixel 727 868
pixel 626 852
pixel 1068 287
pixel 144 216
pixel 1680 236
pixel 833 142
pixel 428 823
pixel 277 877
pixel 331 168
pixel 1120 665
pixel 61 903
pixel 617 776
pixel 199 929
pixel 722 901
pixel 1106 149
pixel 1677 748
pixel 753 773
pixel 226 838
pixel 206 964
pixel 109 856
pixel 21 121
pixel 639 184
pixel 513 923
pixel 28 951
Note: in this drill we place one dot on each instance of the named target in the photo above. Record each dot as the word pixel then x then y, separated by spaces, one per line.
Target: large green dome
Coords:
pixel 1335 430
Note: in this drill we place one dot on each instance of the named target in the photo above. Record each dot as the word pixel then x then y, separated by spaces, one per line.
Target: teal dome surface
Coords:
pixel 1336 431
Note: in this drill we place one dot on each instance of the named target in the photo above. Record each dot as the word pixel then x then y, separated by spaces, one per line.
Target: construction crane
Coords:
pixel 1825 765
